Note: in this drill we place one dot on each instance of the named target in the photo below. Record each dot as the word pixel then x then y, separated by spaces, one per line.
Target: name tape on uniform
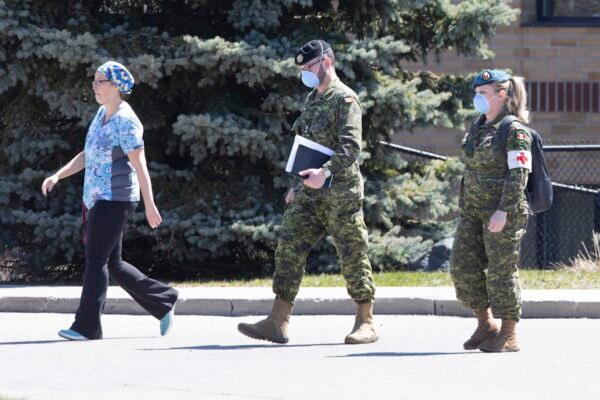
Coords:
pixel 519 159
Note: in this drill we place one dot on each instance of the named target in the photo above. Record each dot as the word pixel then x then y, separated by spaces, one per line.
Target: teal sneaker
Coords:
pixel 166 323
pixel 71 335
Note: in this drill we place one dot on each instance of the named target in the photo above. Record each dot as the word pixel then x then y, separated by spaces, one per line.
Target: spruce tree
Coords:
pixel 217 92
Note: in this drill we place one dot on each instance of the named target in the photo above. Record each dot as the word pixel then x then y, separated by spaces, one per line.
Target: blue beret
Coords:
pixel 489 76
pixel 310 51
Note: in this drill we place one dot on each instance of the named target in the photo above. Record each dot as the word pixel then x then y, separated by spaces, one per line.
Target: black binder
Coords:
pixel 308 154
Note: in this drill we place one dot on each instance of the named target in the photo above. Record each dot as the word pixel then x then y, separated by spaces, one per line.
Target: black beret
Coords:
pixel 311 50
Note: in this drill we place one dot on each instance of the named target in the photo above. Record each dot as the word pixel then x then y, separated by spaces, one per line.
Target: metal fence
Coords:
pixel 566 230
pixel 574 164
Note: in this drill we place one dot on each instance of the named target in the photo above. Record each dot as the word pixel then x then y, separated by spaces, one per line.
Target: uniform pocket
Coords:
pixel 348 210
pixel 319 125
pixel 489 153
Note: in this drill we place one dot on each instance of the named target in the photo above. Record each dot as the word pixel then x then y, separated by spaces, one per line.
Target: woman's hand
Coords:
pixel 497 221
pixel 138 160
pixel 48 184
pixel 153 216
pixel 72 167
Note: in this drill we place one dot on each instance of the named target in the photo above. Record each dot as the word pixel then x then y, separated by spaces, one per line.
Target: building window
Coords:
pixel 569 12
pixel 581 97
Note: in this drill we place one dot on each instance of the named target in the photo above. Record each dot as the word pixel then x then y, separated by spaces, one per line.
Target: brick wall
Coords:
pixel 561 66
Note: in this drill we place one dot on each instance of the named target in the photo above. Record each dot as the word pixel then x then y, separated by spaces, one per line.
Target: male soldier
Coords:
pixel 331 117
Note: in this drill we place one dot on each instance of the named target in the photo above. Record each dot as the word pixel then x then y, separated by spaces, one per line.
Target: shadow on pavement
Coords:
pixel 25 342
pixel 31 342
pixel 246 346
pixel 402 354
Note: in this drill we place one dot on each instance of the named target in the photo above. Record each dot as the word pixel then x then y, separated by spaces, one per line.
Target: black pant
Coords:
pixel 104 233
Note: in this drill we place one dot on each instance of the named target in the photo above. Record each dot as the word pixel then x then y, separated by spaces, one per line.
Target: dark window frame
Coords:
pixel 544 19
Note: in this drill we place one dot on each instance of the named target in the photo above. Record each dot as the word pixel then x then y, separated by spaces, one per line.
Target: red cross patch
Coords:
pixel 519 159
pixel 522 158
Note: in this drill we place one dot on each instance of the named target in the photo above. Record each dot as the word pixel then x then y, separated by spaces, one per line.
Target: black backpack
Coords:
pixel 539 185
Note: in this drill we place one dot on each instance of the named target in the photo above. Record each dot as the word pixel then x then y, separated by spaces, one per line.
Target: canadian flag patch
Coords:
pixel 519 159
pixel 521 136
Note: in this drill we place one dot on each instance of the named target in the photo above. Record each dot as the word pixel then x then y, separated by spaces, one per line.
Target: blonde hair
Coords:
pixel 516 97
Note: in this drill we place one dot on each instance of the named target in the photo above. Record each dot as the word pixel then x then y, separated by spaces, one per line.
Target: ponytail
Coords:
pixel 516 98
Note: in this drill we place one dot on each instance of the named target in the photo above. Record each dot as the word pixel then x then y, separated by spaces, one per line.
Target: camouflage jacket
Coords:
pixel 334 119
pixel 495 179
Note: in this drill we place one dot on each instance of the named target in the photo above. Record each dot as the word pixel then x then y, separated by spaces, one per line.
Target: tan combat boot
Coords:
pixel 486 327
pixel 364 330
pixel 273 328
pixel 505 340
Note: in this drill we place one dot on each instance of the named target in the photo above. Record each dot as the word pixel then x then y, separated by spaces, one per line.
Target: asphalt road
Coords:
pixel 417 357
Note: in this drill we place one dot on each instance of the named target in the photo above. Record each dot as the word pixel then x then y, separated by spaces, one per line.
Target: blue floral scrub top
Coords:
pixel 108 173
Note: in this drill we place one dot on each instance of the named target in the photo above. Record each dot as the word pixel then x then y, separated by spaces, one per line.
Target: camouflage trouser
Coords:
pixel 476 249
pixel 304 223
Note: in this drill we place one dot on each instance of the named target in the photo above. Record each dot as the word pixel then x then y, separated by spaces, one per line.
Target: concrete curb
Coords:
pixel 232 301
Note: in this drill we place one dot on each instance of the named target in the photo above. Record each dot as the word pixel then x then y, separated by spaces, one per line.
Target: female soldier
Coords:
pixel 115 169
pixel 493 212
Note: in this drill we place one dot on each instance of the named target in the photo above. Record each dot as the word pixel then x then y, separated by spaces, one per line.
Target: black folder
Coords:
pixel 307 154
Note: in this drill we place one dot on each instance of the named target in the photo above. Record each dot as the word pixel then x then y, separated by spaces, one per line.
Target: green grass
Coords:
pixel 530 279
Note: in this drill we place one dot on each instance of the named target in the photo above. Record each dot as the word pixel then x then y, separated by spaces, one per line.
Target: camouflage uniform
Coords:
pixel 494 179
pixel 332 119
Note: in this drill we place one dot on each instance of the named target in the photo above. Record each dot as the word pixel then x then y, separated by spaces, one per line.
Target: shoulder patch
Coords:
pixel 521 135
pixel 519 138
pixel 348 99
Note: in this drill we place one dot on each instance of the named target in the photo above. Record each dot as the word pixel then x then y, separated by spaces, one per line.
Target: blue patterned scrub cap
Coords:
pixel 118 75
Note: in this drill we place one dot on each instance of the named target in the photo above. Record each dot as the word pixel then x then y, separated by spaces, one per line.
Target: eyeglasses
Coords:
pixel 308 67
pixel 98 82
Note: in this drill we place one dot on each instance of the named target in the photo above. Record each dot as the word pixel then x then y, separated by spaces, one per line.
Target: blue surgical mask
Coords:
pixel 310 79
pixel 482 105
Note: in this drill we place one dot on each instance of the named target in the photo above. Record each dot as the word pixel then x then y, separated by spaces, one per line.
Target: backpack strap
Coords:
pixel 504 128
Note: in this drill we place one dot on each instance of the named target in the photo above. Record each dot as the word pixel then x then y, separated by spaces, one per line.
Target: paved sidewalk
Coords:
pixel 239 301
